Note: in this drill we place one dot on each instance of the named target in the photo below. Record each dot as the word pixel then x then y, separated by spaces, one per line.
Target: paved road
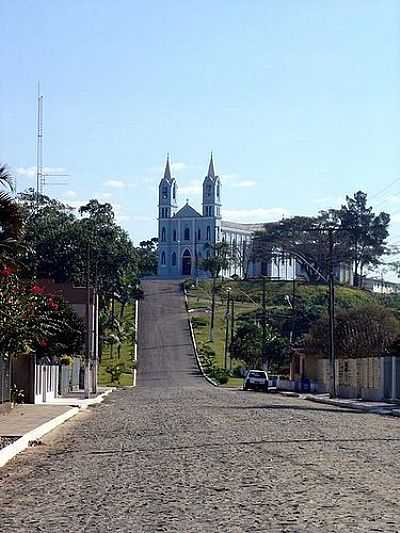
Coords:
pixel 177 455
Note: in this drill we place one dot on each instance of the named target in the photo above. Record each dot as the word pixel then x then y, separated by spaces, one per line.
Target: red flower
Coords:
pixel 43 343
pixel 7 271
pixel 52 304
pixel 36 289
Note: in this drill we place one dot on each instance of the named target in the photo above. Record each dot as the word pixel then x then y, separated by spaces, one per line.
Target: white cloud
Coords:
pixel 226 178
pixel 101 196
pixel 70 194
pixel 116 184
pixel 255 216
pixel 178 166
pixel 245 184
pixel 194 187
pixel 30 172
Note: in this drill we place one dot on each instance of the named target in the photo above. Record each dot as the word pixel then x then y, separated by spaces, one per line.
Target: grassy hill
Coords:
pixel 280 296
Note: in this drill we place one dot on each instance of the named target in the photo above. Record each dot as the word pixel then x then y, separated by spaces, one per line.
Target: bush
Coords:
pixel 115 372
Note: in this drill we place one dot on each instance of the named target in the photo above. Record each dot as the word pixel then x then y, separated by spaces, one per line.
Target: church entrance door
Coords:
pixel 186 263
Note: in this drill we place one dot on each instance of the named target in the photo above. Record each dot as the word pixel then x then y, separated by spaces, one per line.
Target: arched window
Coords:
pixel 163 234
pixel 209 190
pixel 208 233
pixel 173 259
pixel 163 258
pixel 199 234
pixel 218 190
pixel 211 212
pixel 186 235
pixel 174 192
pixel 162 212
pixel 174 235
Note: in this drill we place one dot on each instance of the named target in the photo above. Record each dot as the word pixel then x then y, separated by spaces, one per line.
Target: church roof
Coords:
pixel 187 212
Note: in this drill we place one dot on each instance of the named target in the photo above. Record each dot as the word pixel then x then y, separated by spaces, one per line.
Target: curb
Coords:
pixel 135 350
pixel 10 451
pixel 363 409
pixel 211 381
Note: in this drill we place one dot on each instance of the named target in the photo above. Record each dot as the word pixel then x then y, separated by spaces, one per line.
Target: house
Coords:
pixel 44 380
pixel 368 378
pixel 380 286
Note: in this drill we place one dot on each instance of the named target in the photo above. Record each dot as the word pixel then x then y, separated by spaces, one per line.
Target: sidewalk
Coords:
pixel 379 408
pixel 27 423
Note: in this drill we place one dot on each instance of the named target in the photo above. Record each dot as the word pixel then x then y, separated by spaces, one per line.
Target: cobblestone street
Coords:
pixel 178 455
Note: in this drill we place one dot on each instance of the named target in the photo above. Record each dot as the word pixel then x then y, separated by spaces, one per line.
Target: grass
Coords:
pixel 125 358
pixel 201 297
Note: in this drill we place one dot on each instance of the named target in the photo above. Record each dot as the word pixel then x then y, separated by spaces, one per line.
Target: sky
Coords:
pixel 299 100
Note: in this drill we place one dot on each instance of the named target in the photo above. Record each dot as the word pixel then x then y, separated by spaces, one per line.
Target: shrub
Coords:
pixel 66 360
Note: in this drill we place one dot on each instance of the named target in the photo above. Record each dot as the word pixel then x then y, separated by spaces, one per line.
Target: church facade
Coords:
pixel 186 237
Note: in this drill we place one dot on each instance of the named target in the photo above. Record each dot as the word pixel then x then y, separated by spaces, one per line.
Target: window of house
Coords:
pixel 163 258
pixel 174 235
pixel 163 234
pixel 186 234
pixel 173 259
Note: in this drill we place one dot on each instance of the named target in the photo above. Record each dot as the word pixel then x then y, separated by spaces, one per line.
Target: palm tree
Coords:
pixel 11 220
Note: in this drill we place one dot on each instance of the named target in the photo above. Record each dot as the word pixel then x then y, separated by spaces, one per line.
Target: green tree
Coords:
pixel 363 331
pixel 147 257
pixel 11 221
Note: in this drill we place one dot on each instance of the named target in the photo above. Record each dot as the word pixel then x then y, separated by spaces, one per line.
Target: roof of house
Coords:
pixel 250 228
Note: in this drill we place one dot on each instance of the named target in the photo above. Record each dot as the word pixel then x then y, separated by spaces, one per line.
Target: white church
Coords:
pixel 186 237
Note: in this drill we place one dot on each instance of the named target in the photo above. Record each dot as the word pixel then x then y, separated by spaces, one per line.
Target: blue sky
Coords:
pixel 299 100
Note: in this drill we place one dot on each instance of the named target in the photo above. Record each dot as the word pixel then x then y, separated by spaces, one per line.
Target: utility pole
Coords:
pixel 226 331
pixel 232 328
pixel 88 326
pixel 332 357
pixel 264 323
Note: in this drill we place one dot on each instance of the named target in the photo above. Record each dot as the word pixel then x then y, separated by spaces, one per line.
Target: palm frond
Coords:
pixel 6 178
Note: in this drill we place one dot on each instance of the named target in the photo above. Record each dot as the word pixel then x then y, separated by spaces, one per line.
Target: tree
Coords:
pixel 64 247
pixel 247 345
pixel 215 263
pixel 359 238
pixel 363 331
pixel 10 218
pixel 147 257
pixel 365 235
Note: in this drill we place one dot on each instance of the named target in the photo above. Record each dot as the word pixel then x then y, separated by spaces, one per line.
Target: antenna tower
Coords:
pixel 39 146
pixel 41 175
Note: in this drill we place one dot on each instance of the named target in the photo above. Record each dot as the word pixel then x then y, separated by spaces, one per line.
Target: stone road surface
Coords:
pixel 178 455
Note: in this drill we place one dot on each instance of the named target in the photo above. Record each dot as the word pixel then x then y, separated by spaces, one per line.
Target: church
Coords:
pixel 186 237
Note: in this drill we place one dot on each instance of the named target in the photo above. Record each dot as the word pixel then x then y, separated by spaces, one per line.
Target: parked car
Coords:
pixel 256 380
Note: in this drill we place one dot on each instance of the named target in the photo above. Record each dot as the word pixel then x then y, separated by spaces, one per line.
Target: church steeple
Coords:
pixel 211 192
pixel 211 171
pixel 167 193
pixel 167 171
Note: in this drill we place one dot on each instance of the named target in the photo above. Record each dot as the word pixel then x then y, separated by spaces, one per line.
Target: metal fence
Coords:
pixel 5 380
